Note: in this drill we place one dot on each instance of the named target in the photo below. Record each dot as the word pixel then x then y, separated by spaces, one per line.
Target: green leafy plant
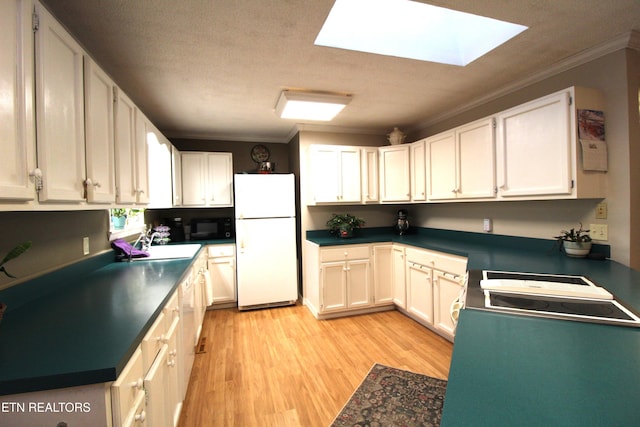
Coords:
pixel 573 235
pixel 14 253
pixel 118 212
pixel 344 224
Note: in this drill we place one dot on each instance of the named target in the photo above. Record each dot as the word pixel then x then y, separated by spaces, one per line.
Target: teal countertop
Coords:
pixel 510 370
pixel 81 324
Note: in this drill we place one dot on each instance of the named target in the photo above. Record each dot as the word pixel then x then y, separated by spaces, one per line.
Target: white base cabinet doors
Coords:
pixel 433 283
pixel 338 280
pixel 222 272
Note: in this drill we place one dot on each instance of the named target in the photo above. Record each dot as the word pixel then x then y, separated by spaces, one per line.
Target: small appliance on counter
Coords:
pixel 176 229
pixel 402 223
pixel 211 228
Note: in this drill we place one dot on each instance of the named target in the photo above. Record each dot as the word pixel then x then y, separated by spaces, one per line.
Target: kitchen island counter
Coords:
pixel 510 370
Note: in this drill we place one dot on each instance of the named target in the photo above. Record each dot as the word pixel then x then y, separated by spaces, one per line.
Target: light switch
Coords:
pixel 85 246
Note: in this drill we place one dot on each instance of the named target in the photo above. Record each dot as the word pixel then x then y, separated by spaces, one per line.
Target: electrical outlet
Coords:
pixel 601 210
pixel 599 231
pixel 85 246
pixel 486 225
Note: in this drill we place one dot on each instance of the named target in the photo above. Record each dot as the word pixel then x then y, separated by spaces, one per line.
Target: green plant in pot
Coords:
pixel 344 225
pixel 576 243
pixel 118 218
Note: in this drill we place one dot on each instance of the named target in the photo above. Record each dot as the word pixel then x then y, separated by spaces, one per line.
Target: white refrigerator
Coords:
pixel 267 268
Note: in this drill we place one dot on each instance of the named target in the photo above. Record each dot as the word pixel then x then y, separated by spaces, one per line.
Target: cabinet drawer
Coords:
pixel 127 389
pixel 220 250
pixel 437 260
pixel 344 253
pixel 153 341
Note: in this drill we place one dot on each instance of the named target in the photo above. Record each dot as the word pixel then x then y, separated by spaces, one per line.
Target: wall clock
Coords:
pixel 260 153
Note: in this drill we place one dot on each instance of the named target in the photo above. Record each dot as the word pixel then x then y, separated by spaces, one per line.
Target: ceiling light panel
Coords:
pixel 310 106
pixel 409 29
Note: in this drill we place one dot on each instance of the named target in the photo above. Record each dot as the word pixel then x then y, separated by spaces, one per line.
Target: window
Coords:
pixel 125 222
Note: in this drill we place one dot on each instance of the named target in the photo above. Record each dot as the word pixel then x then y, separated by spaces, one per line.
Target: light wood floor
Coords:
pixel 282 367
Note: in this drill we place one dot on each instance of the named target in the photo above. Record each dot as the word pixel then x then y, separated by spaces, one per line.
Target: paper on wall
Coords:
pixel 594 155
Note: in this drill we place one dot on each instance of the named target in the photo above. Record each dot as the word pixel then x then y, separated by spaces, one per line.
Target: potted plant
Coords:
pixel 118 218
pixel 343 225
pixel 576 243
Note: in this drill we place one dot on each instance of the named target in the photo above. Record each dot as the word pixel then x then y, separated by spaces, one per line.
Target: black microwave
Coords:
pixel 211 228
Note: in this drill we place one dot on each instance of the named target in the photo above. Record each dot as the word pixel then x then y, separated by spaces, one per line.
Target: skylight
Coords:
pixel 409 29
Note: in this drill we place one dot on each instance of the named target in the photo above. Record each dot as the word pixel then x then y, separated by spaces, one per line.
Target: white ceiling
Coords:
pixel 213 69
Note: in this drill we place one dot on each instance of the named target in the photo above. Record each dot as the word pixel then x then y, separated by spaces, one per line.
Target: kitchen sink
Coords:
pixel 170 252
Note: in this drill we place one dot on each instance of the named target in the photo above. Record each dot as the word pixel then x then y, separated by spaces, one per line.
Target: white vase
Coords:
pixel 577 249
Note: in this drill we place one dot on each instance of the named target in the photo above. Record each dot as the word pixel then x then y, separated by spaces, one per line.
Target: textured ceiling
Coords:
pixel 213 69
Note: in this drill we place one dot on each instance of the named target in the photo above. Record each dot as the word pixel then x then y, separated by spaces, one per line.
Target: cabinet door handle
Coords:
pixel 137 384
pixel 141 417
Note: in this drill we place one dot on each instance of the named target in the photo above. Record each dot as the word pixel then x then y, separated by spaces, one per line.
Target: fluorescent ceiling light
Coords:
pixel 310 105
pixel 409 29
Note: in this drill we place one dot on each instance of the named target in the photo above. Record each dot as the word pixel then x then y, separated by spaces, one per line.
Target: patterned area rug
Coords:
pixel 393 397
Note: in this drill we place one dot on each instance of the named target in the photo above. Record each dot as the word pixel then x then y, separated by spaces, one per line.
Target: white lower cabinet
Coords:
pixel 345 278
pixel 419 291
pixel 433 282
pixel 339 280
pixel 353 279
pixel 398 276
pixel 148 391
pixel 156 386
pixel 382 274
pixel 126 392
pixel 222 272
pixel 446 289
pixel 161 384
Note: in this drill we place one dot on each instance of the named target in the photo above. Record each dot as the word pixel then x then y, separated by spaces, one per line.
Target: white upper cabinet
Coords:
pixel 534 149
pixel 99 134
pixel 394 178
pixel 176 171
pixel 125 139
pixel 160 194
pixel 17 141
pixel 194 179
pixel 369 174
pixel 418 171
pixel 461 162
pixel 441 154
pixel 220 179
pixel 59 111
pixel 335 174
pixel 476 160
pixel 132 140
pixel 207 179
pixel 142 158
pixel 538 152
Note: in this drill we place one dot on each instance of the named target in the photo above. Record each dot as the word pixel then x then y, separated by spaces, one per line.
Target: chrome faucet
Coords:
pixel 149 241
pixel 145 241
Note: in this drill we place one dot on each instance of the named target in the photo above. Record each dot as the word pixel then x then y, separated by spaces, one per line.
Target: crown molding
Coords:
pixel 628 40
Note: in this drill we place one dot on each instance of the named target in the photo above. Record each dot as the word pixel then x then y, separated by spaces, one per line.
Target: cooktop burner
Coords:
pixel 605 309
pixel 575 298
